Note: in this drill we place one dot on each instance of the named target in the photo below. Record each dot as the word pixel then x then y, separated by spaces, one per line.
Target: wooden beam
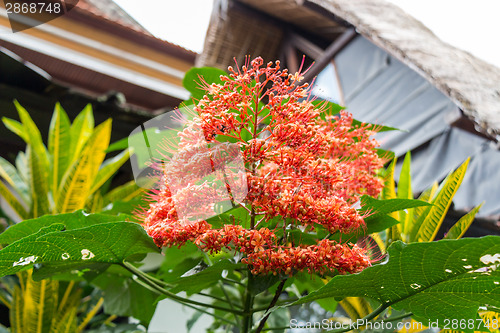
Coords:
pixel 310 49
pixel 331 51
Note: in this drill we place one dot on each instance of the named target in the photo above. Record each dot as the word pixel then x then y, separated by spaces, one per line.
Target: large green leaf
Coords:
pixel 193 79
pixel 75 186
pixel 59 147
pixel 70 221
pixel 428 224
pixel 106 243
pixel 447 279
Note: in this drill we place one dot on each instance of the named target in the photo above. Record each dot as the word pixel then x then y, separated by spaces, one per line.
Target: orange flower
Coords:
pixel 308 169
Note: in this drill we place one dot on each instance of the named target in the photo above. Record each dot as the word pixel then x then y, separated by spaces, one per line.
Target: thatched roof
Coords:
pixel 471 83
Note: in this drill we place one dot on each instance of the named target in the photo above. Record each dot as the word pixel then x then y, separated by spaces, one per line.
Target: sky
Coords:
pixel 472 25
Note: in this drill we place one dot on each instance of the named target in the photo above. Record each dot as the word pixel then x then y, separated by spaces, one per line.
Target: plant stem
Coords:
pixel 247 311
pixel 146 279
pixel 229 302
pixel 145 285
pixel 277 294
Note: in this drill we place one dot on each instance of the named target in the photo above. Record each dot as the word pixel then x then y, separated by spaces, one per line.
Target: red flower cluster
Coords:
pixel 298 162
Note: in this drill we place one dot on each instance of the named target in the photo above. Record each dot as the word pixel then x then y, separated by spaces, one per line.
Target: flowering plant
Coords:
pixel 267 199
pixel 299 170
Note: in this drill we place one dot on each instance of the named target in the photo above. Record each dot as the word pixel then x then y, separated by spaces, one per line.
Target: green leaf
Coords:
pixel 328 108
pixel 106 243
pixel 195 281
pixel 440 280
pixel 108 169
pixel 430 223
pixel 193 83
pixel 75 186
pixel 459 228
pixel 59 147
pixel 262 283
pixel 125 192
pixel 70 221
pixel 125 297
pixel 239 215
pixel 385 154
pixel 118 145
pixel 379 128
pixel 376 206
pixel 374 223
pixel 15 127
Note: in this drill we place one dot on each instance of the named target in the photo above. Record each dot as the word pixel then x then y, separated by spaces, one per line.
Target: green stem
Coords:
pixel 231 305
pixel 247 310
pixel 286 303
pixel 146 279
pixel 145 285
pixel 277 294
pixel 232 281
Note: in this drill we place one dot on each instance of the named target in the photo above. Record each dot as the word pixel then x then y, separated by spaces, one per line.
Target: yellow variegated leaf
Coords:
pixel 389 190
pixel 37 178
pixel 418 212
pixel 405 192
pixel 108 169
pixel 40 304
pixel 429 225
pixel 356 307
pixel 461 226
pixel 90 315
pixel 16 312
pixel 15 127
pixel 59 148
pixel 75 186
pixel 10 174
pixel 67 323
pixel 124 192
pixel 13 201
pixel 81 130
pixel 491 320
pixel 412 326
